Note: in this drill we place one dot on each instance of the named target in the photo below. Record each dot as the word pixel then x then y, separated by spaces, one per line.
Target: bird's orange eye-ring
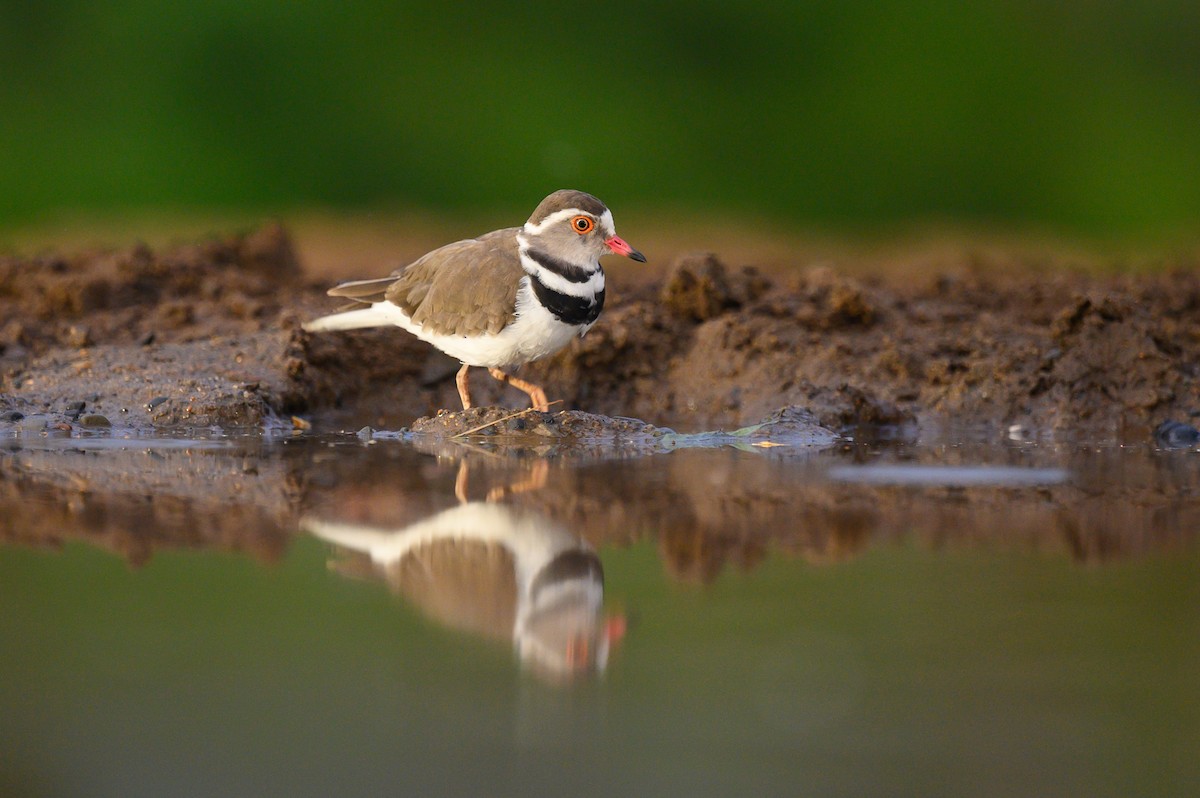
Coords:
pixel 583 224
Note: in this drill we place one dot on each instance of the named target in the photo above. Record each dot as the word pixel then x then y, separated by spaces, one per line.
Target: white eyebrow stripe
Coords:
pixel 556 217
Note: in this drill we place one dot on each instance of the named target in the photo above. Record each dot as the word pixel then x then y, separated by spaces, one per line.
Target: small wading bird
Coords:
pixel 506 298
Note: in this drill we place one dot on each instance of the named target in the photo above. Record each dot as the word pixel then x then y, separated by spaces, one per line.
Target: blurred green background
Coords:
pixel 1078 116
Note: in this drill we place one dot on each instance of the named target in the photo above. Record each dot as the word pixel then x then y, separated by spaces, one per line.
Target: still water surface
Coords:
pixel 326 616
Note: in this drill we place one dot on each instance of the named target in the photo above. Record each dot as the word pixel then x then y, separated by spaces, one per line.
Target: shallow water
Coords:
pixel 324 615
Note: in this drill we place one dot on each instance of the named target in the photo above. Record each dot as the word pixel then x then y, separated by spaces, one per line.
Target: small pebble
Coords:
pixel 79 336
pixel 75 408
pixel 94 420
pixel 147 339
pixel 365 433
pixel 1176 435
pixel 11 415
pixel 301 423
pixel 156 401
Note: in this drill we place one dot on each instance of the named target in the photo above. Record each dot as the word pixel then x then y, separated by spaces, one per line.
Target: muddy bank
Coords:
pixel 208 334
pixel 194 336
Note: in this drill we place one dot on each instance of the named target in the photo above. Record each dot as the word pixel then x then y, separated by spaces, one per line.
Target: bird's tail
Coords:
pixel 381 314
pixel 350 536
pixel 381 544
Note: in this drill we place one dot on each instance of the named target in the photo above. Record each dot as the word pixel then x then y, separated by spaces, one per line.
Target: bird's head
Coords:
pixel 577 228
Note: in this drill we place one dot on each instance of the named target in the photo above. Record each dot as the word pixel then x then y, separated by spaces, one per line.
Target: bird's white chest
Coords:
pixel 533 333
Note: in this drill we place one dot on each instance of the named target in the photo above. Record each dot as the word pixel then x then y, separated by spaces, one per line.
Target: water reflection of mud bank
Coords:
pixel 138 497
pixel 718 509
pixel 704 509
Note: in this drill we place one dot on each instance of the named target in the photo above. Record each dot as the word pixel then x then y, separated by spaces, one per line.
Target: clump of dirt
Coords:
pixel 208 334
pixel 697 287
pixel 577 432
pixel 532 425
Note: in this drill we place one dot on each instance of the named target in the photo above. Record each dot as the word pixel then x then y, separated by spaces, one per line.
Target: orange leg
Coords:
pixel 536 480
pixel 536 395
pixel 460 483
pixel 464 389
pixel 538 475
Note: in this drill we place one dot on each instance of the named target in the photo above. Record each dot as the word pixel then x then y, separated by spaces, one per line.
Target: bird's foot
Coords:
pixel 537 396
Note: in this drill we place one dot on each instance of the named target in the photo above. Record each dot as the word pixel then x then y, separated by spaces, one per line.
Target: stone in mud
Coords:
pixel 78 336
pixel 94 420
pixel 1176 435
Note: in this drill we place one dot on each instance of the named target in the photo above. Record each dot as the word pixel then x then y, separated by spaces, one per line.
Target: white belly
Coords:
pixel 533 334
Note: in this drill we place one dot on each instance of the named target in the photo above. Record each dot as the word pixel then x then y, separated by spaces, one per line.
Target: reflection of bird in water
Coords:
pixel 498 572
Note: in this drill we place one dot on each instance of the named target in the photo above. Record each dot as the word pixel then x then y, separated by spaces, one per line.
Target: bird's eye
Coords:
pixel 583 224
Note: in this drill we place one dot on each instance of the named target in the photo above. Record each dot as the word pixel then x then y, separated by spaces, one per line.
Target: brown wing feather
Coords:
pixel 465 288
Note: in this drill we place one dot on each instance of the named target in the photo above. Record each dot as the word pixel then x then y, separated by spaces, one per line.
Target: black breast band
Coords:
pixel 578 310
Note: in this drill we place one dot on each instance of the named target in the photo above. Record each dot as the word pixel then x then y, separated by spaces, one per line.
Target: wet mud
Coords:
pixel 207 334
pixel 577 435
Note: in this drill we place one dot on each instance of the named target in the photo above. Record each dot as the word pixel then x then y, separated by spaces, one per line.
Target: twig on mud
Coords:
pixel 473 430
